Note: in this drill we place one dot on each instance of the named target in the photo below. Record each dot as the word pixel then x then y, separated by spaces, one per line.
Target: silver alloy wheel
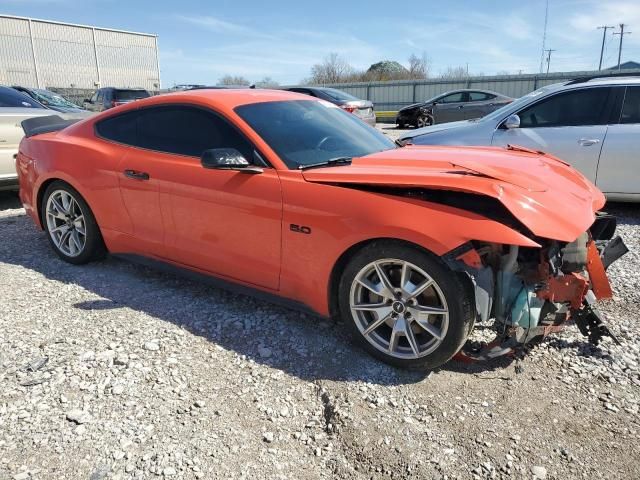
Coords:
pixel 424 121
pixel 66 223
pixel 399 308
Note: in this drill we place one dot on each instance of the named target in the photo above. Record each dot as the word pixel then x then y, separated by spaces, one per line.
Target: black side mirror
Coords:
pixel 86 100
pixel 227 159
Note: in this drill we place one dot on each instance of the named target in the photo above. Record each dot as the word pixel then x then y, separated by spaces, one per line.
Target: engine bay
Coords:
pixel 529 293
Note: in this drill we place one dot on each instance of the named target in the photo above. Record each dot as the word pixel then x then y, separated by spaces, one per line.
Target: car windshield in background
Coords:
pixel 339 95
pixel 11 98
pixel 53 99
pixel 304 132
pixel 124 95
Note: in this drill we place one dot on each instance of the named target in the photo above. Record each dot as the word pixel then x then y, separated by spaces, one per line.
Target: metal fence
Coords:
pixel 391 96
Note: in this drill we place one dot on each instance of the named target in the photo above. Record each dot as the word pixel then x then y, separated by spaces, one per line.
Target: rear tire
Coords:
pixel 418 317
pixel 70 225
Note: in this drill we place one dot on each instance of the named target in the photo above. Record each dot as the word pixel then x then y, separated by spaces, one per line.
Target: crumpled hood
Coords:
pixel 412 106
pixel 548 196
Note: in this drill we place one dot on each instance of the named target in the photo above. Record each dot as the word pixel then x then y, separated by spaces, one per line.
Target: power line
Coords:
pixel 622 33
pixel 604 37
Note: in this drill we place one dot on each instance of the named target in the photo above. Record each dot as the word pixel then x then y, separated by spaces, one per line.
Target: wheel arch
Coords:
pixel 343 260
pixel 42 188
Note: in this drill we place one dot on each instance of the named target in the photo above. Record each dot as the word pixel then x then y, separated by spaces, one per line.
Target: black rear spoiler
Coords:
pixel 39 125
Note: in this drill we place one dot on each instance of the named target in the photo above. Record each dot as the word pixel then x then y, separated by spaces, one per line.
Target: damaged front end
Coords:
pixel 532 292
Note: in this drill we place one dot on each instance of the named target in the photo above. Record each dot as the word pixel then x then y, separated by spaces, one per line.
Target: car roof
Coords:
pixel 623 80
pixel 137 89
pixel 468 90
pixel 226 99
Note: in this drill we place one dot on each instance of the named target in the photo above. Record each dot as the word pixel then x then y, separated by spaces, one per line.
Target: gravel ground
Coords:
pixel 116 371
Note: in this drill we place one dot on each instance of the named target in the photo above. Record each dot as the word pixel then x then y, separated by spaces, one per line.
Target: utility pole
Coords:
pixel 544 34
pixel 622 33
pixel 604 35
pixel 549 50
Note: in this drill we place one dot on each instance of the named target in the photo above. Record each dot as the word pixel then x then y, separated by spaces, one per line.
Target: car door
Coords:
pixel 226 222
pixel 136 170
pixel 450 108
pixel 619 166
pixel 479 105
pixel 571 125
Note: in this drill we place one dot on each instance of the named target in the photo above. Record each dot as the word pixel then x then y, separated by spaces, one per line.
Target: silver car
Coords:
pixel 360 108
pixel 14 108
pixel 451 106
pixel 591 123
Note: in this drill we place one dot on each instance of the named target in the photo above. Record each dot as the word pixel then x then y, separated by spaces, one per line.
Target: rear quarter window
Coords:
pixel 119 128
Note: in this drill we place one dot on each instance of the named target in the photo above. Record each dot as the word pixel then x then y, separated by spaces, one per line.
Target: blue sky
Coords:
pixel 202 41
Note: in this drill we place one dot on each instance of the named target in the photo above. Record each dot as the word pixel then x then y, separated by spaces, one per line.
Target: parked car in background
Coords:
pixel 450 107
pixel 14 108
pixel 592 123
pixel 296 198
pixel 52 100
pixel 109 97
pixel 360 108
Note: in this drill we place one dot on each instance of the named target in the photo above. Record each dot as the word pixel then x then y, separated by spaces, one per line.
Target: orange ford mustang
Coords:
pixel 291 196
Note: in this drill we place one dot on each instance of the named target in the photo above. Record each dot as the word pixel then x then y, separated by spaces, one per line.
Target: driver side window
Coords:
pixel 576 108
pixel 189 131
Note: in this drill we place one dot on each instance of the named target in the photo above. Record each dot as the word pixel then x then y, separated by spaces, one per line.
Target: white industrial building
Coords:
pixel 48 54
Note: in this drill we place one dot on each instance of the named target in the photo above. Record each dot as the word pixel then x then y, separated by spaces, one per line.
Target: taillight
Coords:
pixel 349 108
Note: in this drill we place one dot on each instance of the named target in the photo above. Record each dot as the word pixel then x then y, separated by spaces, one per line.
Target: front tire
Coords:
pixel 404 306
pixel 70 225
pixel 424 120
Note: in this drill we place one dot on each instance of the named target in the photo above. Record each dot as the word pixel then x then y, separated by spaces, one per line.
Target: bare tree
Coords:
pixel 233 80
pixel 267 82
pixel 419 67
pixel 333 69
pixel 455 72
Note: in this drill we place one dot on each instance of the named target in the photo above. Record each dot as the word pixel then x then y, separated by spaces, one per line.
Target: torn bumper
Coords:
pixel 534 292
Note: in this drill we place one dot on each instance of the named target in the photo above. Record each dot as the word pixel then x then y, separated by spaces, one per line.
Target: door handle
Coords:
pixel 587 142
pixel 136 175
pixel 460 106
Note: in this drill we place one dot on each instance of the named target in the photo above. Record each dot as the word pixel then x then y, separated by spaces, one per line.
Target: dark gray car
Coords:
pixel 109 97
pixel 450 107
pixel 360 108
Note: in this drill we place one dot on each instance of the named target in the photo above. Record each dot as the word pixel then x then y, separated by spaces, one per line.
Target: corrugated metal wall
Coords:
pixel 391 96
pixel 38 53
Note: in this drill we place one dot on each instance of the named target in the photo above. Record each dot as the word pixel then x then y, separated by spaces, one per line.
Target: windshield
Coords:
pixel 516 103
pixel 303 132
pixel 124 95
pixel 338 95
pixel 11 98
pixel 50 98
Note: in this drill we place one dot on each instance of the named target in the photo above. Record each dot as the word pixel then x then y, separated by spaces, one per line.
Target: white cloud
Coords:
pixel 222 26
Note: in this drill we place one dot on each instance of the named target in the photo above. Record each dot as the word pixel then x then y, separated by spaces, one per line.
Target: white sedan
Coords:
pixel 591 123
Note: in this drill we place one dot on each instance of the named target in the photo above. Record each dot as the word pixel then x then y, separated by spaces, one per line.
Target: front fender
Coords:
pixel 338 218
